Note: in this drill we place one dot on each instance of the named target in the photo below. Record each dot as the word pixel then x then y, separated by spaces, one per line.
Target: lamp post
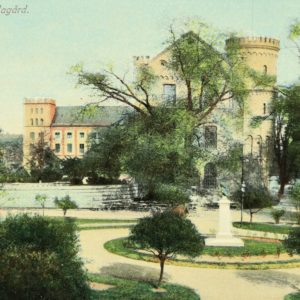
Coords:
pixel 242 202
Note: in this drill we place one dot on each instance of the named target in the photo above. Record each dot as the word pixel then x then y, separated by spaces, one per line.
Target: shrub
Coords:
pixel 277 214
pixel 65 203
pixel 292 242
pixel 38 260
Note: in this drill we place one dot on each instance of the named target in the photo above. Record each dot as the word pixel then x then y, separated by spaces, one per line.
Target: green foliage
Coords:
pixel 65 203
pixel 41 199
pixel 167 234
pixel 170 195
pixel 103 160
pixel 295 199
pixel 277 214
pixel 38 260
pixel 74 168
pixel 293 296
pixel 282 229
pixel 255 199
pixel 134 290
pixel 292 243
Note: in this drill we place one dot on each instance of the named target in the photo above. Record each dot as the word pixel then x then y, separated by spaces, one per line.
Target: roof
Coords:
pixel 86 116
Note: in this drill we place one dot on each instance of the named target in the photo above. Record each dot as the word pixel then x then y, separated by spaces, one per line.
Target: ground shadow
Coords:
pixel 272 277
pixel 129 271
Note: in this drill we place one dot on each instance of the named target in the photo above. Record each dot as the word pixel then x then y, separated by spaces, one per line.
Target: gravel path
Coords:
pixel 211 284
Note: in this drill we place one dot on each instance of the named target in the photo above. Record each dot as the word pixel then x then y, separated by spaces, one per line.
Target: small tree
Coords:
pixel 65 203
pixel 295 199
pixel 277 214
pixel 292 242
pixel 41 199
pixel 165 235
pixel 255 199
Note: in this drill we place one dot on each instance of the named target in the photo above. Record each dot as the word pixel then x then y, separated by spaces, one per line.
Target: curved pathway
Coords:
pixel 211 284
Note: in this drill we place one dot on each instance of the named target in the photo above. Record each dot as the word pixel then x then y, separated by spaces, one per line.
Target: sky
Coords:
pixel 44 38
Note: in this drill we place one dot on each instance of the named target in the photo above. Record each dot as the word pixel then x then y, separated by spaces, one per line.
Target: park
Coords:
pixel 175 177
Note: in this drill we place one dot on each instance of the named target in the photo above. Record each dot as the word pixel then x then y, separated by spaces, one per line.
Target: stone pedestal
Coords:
pixel 224 237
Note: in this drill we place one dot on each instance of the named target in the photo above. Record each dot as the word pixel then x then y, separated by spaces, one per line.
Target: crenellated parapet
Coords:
pixel 141 60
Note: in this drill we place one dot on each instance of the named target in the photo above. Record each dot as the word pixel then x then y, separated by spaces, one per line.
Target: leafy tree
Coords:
pixel 65 203
pixel 74 168
pixel 295 199
pixel 44 164
pixel 286 134
pixel 255 199
pixel 292 242
pixel 165 235
pixel 277 214
pixel 41 199
pixel 104 157
pixel 39 260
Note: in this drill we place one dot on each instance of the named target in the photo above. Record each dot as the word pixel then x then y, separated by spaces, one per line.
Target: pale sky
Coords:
pixel 39 46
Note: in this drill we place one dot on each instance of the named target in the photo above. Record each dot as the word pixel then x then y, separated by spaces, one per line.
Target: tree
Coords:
pixel 44 164
pixel 295 199
pixel 277 214
pixel 41 199
pixel 292 242
pixel 39 260
pixel 65 203
pixel 286 140
pixel 255 199
pixel 103 160
pixel 165 235
pixel 74 168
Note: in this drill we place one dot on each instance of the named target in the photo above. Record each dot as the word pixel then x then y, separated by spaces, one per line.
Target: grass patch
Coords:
pixel 133 290
pixel 293 296
pixel 104 227
pixel 80 221
pixel 251 248
pixel 282 229
pixel 118 246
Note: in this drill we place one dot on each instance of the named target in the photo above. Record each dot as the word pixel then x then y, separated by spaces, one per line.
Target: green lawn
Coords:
pixel 294 296
pixel 133 290
pixel 283 229
pixel 119 247
pixel 80 221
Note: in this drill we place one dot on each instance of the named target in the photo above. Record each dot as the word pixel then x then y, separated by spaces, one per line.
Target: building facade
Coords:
pixel 65 129
pixel 260 54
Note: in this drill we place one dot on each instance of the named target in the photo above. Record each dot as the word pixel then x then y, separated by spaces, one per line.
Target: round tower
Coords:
pixel 260 54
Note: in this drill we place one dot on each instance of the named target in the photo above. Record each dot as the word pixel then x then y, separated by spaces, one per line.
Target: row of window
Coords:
pixel 37 110
pixel 41 135
pixel 38 122
pixel 69 148
pixel 57 135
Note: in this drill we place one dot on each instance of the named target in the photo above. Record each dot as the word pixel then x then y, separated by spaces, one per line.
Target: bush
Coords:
pixel 277 214
pixel 292 242
pixel 65 203
pixel 38 260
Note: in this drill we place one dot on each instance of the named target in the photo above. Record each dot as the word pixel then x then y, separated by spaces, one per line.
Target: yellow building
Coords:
pixel 260 54
pixel 65 129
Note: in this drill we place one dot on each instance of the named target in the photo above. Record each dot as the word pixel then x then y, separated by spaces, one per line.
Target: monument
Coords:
pixel 224 236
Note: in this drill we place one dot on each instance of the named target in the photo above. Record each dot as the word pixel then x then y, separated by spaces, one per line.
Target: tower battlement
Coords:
pixel 39 100
pixel 256 42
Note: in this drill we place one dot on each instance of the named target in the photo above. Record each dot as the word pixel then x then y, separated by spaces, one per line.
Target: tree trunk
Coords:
pixel 281 190
pixel 251 216
pixel 162 264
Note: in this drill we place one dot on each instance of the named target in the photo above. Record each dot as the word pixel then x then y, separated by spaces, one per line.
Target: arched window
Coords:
pixel 259 145
pixel 265 108
pixel 265 69
pixel 36 122
pixel 42 122
pixel 249 145
pixel 210 136
pixel 210 176
pixel 31 122
pixel 41 110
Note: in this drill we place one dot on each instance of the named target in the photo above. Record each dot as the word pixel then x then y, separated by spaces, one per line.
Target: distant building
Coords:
pixel 65 129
